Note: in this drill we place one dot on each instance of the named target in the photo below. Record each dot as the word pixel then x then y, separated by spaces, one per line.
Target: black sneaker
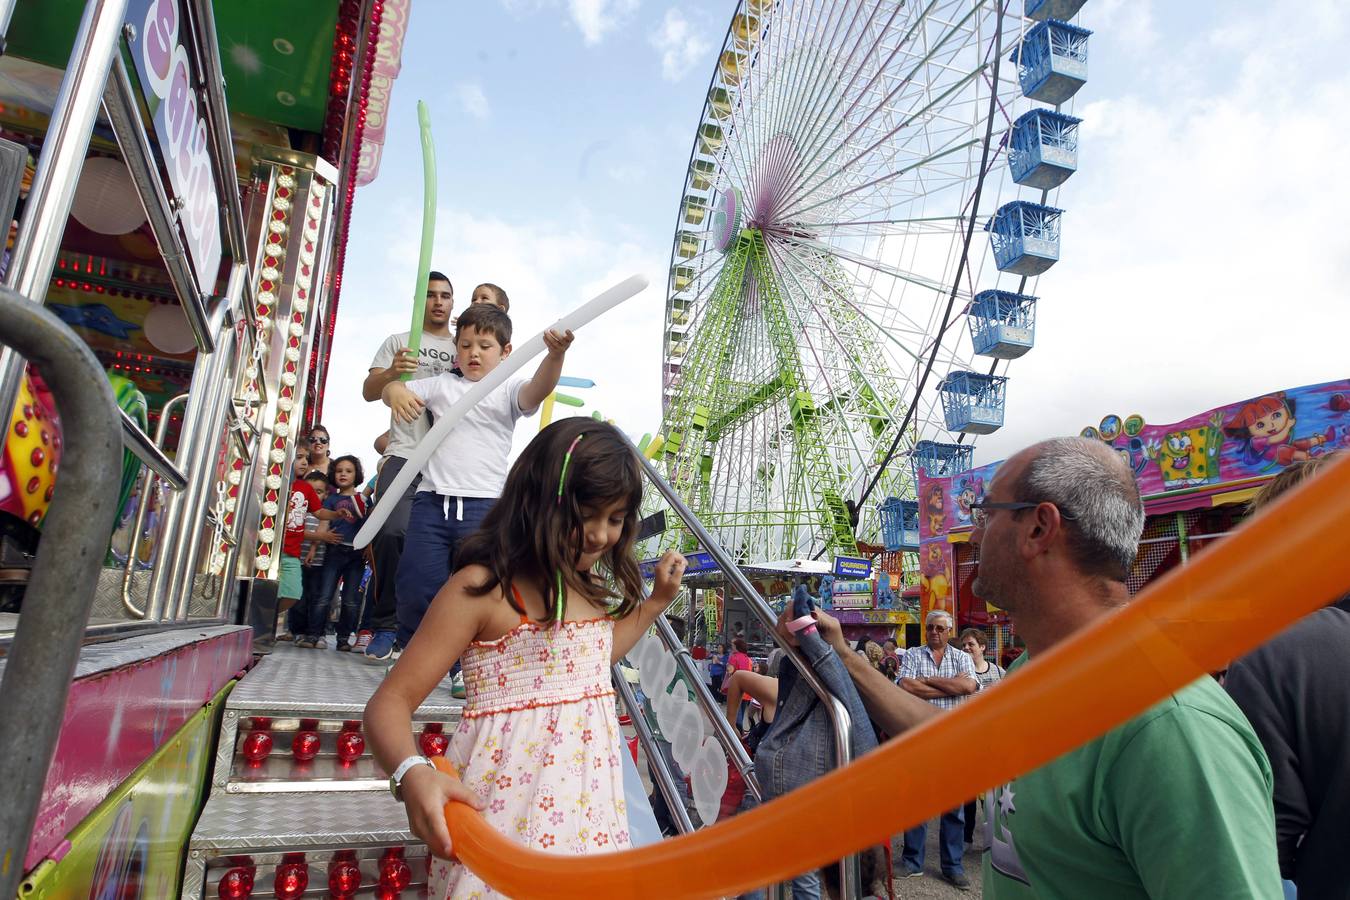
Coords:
pixel 957 880
pixel 343 645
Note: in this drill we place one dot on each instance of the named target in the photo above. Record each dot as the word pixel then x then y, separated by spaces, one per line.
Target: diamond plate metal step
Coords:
pixel 320 691
pixel 265 830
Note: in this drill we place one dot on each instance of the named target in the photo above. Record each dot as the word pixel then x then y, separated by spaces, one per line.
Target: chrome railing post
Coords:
pixel 203 463
pixel 123 113
pixel 207 380
pixel 138 524
pixel 58 168
pixel 840 719
pixel 60 592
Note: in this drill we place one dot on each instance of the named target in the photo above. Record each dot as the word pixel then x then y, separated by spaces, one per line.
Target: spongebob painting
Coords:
pixel 1189 457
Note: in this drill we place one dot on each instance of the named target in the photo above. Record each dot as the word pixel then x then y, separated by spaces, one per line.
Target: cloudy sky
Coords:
pixel 1205 253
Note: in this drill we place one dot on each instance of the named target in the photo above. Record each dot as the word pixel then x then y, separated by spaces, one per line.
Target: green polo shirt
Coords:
pixel 1174 803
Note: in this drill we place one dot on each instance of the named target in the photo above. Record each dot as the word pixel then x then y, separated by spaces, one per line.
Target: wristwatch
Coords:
pixel 396 780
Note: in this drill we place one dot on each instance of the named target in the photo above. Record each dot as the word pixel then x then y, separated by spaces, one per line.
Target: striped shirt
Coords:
pixel 320 548
pixel 918 663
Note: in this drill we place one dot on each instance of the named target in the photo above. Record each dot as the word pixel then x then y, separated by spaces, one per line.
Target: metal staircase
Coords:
pixel 298 806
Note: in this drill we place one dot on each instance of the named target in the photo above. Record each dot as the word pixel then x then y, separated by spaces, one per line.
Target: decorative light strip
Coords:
pixel 279 225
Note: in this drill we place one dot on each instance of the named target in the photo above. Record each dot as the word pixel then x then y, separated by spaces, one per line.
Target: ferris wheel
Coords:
pixel 831 285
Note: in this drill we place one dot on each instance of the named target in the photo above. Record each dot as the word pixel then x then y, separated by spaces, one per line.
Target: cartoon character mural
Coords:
pixel 1265 427
pixel 1189 457
pixel 933 508
pixel 1252 438
pixel 967 489
pixel 935 577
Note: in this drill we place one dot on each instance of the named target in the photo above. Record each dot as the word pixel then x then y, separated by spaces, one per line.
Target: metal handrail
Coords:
pixel 148 452
pixel 664 781
pixel 60 592
pixel 147 482
pixel 840 720
pixel 730 741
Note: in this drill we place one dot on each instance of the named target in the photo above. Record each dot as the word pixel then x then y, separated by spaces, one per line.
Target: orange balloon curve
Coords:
pixel 1291 559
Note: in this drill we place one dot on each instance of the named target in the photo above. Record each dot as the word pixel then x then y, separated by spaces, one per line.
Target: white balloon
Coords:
pixel 167 329
pixel 105 199
pixel 708 775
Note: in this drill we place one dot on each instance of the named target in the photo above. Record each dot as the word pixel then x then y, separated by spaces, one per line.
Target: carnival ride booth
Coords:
pixel 203 220
pixel 180 176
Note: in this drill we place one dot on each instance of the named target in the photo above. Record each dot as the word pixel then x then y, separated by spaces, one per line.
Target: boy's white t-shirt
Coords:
pixel 435 356
pixel 471 461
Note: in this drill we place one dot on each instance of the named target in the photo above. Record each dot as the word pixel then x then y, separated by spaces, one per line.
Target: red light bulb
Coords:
pixel 237 884
pixel 432 741
pixel 291 881
pixel 257 747
pixel 350 746
pixel 344 878
pixel 395 873
pixel 305 746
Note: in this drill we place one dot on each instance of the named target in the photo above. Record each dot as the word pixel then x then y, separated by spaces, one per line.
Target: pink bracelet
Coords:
pixel 804 624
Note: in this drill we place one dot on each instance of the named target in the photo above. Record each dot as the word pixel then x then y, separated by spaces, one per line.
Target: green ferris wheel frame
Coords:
pixel 824 223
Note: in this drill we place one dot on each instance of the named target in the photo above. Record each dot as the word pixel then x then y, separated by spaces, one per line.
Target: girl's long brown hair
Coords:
pixel 529 535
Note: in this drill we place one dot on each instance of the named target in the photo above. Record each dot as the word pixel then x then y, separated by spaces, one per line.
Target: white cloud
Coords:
pixel 472 98
pixel 596 18
pixel 1204 253
pixel 548 267
pixel 681 45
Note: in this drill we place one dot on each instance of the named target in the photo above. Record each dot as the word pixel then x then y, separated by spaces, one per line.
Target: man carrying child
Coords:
pixel 466 473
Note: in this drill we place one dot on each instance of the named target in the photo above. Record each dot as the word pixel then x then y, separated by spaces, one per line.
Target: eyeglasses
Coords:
pixel 318 440
pixel 979 514
pixel 936 627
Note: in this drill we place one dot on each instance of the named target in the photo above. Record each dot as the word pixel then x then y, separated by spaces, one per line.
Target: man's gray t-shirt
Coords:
pixel 436 355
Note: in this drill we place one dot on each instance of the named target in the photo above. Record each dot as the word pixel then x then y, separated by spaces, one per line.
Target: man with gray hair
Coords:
pixel 944 676
pixel 1175 802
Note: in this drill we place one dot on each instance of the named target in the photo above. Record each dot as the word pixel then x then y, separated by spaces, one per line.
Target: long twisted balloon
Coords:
pixel 428 232
pixel 573 321
pixel 1192 621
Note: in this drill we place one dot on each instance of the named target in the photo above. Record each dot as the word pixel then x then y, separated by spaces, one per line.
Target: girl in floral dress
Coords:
pixel 531 618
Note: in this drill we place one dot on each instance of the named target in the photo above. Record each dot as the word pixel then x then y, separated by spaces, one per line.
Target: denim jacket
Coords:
pixel 799 745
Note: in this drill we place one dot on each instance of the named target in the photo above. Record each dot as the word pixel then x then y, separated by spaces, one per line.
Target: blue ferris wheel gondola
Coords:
pixel 1002 324
pixel 973 402
pixel 939 460
pixel 1043 152
pixel 1025 237
pixel 1052 61
pixel 899 524
pixel 1040 10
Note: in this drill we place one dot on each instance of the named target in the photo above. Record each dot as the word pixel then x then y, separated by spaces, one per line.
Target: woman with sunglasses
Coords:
pixel 319 460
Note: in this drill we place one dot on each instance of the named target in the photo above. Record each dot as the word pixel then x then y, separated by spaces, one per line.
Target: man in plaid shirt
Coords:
pixel 944 676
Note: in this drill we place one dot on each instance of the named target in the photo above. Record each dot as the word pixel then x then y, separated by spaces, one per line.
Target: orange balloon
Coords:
pixel 1281 565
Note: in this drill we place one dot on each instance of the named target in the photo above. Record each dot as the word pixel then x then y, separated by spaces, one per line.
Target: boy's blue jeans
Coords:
pixel 436 526
pixel 347 564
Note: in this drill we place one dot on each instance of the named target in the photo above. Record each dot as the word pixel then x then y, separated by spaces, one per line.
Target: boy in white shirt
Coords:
pixel 466 473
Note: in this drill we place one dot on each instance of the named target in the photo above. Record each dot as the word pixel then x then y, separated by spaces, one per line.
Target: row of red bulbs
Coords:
pixel 344 877
pixel 351 744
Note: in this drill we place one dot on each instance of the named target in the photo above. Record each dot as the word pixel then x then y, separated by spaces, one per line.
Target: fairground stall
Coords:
pixel 181 176
pixel 1196 477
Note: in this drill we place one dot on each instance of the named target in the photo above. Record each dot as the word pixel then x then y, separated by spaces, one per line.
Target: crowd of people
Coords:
pixel 527 581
